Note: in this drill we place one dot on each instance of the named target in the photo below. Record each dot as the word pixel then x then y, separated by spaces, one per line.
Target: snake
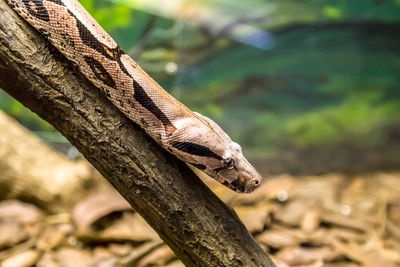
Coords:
pixel 191 137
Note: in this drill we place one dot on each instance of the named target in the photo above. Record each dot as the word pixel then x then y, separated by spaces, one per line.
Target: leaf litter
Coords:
pixel 329 220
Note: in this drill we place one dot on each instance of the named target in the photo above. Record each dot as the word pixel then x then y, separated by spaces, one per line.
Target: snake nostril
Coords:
pixel 257 182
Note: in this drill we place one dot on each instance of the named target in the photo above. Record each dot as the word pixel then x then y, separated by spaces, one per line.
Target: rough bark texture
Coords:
pixel 200 229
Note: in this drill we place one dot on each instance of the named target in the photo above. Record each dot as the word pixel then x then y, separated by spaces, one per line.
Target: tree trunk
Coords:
pixel 198 227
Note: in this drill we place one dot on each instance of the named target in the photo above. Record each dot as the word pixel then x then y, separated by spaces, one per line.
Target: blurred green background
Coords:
pixel 304 86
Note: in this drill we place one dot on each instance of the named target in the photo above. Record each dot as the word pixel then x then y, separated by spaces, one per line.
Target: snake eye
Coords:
pixel 229 163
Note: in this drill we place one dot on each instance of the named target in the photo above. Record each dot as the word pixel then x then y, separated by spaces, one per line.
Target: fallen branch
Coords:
pixel 34 172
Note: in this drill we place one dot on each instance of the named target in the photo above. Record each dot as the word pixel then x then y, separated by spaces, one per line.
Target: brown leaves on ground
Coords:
pixel 329 220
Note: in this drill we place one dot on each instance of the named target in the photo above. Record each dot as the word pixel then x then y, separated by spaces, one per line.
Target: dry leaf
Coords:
pixel 365 253
pixel 277 238
pixel 394 212
pixel 48 260
pixel 129 227
pixel 71 257
pixel 292 213
pixel 139 252
pixel 120 250
pixel 53 236
pixel 302 256
pixel 254 217
pixel 24 259
pixel 103 257
pixel 158 257
pixel 310 221
pixel 96 206
pixel 19 211
pixel 176 263
pixel 346 221
pixel 11 233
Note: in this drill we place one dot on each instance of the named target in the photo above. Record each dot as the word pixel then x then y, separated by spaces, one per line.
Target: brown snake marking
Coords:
pixel 88 39
pixel 190 136
pixel 36 9
pixel 100 72
pixel 115 54
pixel 196 149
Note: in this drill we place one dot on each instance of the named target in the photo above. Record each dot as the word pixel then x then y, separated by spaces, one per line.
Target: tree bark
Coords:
pixel 198 227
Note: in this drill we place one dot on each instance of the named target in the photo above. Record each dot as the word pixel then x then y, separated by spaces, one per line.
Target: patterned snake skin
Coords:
pixel 190 136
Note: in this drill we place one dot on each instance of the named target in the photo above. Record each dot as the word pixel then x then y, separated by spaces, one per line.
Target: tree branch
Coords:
pixel 198 227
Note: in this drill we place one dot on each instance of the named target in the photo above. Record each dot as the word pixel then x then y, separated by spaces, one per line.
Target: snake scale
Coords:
pixel 190 136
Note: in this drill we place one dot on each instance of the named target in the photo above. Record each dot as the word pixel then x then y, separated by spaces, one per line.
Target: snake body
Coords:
pixel 188 135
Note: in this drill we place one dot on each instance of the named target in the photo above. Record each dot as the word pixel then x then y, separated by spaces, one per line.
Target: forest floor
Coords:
pixel 330 220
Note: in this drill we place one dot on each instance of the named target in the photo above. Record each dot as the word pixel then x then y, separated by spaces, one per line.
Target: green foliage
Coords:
pixel 316 87
pixel 110 16
pixel 325 74
pixel 23 115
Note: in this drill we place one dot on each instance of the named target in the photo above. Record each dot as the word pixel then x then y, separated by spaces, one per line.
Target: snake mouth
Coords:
pixel 243 187
pixel 251 185
pixel 235 186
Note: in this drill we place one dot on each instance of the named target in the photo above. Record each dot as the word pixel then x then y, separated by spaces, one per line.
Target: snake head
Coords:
pixel 202 143
pixel 236 173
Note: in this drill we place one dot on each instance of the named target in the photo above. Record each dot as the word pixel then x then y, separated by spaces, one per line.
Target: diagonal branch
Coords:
pixel 199 228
